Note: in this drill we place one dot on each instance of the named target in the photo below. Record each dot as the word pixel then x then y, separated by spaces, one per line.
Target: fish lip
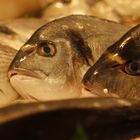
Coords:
pixel 87 86
pixel 21 71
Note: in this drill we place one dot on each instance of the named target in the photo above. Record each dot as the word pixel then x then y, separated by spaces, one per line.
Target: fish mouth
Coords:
pixel 27 73
pixel 87 85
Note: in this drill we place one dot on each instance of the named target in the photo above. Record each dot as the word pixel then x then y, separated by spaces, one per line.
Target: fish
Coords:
pixel 13 34
pixel 91 118
pixel 117 72
pixel 52 63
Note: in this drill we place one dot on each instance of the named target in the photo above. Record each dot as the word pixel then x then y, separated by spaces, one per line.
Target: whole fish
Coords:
pixel 51 64
pixel 117 71
pixel 13 34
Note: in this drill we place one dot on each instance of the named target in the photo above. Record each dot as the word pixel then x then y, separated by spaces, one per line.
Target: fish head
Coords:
pixel 117 71
pixel 49 67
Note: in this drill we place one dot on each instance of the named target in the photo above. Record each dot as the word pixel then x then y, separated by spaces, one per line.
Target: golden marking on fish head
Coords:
pixel 28 48
pixel 115 57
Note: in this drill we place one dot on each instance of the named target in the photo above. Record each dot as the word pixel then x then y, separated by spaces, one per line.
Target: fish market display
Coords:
pixel 52 63
pixel 76 77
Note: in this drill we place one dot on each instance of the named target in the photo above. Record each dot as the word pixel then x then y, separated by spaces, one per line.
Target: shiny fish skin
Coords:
pixel 79 41
pixel 117 70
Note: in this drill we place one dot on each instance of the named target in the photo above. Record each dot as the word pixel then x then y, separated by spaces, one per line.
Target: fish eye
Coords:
pixel 46 49
pixel 132 68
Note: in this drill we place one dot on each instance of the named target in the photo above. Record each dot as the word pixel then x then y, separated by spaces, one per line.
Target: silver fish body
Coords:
pixel 53 61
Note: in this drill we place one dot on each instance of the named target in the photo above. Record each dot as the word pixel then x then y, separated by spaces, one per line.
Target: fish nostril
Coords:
pixel 12 73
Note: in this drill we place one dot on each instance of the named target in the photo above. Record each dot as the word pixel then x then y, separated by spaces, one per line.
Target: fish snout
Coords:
pixel 87 85
pixel 11 73
pixel 90 77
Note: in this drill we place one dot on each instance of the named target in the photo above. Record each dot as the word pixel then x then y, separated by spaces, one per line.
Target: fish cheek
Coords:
pixel 118 84
pixel 39 63
pixel 54 67
pixel 127 86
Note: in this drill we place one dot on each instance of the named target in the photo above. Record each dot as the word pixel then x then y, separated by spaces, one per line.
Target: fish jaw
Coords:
pixel 43 90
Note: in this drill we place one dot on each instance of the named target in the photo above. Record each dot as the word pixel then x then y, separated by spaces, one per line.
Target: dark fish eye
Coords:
pixel 47 49
pixel 132 68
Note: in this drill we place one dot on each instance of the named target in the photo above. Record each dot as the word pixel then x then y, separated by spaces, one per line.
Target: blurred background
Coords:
pixel 126 12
